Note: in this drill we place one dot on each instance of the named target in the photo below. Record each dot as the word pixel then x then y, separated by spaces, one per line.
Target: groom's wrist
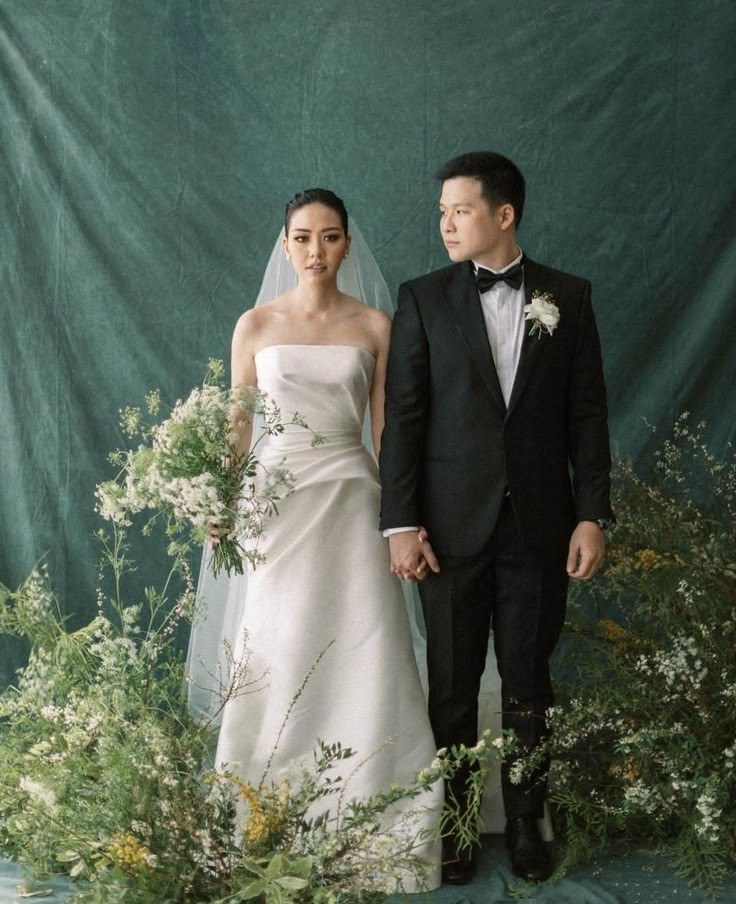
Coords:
pixel 399 530
pixel 603 524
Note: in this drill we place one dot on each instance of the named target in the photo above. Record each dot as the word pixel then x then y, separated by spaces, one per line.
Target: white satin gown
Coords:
pixel 325 590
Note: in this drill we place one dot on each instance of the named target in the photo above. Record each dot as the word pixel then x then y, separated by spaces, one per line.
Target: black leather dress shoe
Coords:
pixel 457 866
pixel 529 856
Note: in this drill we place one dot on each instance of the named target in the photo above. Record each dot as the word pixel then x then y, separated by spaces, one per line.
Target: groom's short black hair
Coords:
pixel 500 178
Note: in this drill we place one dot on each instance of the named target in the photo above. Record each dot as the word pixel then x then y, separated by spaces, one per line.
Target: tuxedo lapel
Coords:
pixel 462 295
pixel 531 346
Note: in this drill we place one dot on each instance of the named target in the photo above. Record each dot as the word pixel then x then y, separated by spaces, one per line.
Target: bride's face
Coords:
pixel 316 243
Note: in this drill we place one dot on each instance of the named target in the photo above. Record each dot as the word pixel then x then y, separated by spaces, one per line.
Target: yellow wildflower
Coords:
pixel 648 560
pixel 267 810
pixel 612 630
pixel 628 771
pixel 129 853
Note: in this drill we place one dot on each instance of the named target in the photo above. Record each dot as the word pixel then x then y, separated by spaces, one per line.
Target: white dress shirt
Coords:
pixel 503 312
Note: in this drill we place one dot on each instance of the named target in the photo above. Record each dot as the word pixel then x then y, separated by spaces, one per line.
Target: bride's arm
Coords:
pixel 243 372
pixel 378 387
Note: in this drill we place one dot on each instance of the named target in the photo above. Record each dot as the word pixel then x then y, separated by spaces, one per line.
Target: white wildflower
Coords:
pixel 516 772
pixel 39 793
pixel 642 797
pixel 111 502
pixel 708 826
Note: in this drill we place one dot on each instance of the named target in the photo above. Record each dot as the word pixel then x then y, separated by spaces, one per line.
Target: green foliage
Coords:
pixel 107 778
pixel 643 745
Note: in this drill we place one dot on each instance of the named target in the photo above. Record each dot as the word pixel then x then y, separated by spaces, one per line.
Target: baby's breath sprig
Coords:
pixel 187 469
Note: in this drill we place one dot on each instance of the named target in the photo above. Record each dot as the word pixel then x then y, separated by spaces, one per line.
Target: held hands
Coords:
pixel 412 556
pixel 587 551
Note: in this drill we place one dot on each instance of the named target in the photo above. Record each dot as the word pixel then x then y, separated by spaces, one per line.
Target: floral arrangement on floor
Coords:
pixel 105 774
pixel 106 777
pixel 643 744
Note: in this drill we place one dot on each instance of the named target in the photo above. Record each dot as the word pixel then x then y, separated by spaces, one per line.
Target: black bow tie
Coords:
pixel 487 278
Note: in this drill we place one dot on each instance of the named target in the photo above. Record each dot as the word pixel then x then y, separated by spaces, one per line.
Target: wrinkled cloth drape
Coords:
pixel 148 149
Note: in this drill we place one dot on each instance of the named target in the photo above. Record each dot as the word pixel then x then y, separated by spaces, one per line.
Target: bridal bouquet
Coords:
pixel 188 470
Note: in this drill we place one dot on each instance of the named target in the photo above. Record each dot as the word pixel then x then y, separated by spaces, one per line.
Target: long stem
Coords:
pixel 292 704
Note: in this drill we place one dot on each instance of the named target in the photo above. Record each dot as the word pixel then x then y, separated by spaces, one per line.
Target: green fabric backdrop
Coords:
pixel 148 149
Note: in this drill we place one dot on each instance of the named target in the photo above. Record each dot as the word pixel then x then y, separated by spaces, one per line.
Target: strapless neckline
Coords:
pixel 313 345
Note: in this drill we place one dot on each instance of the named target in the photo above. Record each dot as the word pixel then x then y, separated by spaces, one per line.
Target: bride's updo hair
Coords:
pixel 316 196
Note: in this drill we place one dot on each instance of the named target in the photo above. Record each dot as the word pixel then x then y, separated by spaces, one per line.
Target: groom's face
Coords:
pixel 469 228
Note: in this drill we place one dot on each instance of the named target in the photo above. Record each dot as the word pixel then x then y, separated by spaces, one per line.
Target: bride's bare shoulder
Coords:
pixel 369 315
pixel 254 321
pixel 375 321
pixel 368 326
pixel 381 330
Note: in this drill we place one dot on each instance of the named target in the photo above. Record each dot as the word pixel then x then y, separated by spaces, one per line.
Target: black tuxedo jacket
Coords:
pixel 451 448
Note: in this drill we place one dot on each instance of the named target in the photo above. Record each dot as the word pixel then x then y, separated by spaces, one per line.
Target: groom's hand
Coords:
pixel 587 551
pixel 412 556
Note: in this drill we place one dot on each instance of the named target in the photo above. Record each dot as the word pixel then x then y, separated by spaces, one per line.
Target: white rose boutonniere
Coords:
pixel 543 314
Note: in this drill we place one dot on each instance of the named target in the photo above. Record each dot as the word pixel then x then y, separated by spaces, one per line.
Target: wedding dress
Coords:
pixel 325 593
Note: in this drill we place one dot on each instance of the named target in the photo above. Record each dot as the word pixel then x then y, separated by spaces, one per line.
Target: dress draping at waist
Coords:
pixel 303 440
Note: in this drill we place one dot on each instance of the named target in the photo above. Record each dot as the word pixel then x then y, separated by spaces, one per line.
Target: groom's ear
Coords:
pixel 506 215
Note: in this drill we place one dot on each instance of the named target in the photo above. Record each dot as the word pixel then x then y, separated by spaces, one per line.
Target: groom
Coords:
pixel 496 442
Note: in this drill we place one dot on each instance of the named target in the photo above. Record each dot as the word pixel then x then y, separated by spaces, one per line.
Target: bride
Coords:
pixel 325 591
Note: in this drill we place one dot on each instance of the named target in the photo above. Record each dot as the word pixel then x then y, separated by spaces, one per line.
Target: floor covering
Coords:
pixel 638 877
